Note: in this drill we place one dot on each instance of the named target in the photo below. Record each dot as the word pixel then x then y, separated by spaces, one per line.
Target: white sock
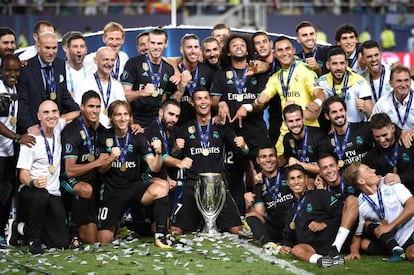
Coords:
pixel 20 227
pixel 340 238
pixel 158 235
pixel 314 258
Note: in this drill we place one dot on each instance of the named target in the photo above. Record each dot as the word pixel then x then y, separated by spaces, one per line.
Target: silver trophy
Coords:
pixel 210 195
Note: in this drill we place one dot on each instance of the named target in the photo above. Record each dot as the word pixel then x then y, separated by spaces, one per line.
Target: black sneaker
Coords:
pixel 14 238
pixel 162 242
pixel 35 247
pixel 75 244
pixel 325 261
pixel 338 260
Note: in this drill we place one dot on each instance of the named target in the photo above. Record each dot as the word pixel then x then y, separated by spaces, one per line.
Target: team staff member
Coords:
pixel 269 203
pixel 80 158
pixel 390 159
pixel 7 42
pixel 312 222
pixel 146 79
pixel 120 183
pixel 204 142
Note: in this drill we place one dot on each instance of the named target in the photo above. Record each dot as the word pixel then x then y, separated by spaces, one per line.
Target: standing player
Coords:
pixel 346 36
pixel 146 79
pixel 211 52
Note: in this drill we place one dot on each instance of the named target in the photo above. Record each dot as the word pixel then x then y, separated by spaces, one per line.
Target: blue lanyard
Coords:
pixel 117 66
pixel 155 79
pixel 379 209
pixel 108 90
pixel 407 109
pixel 87 137
pixel 204 136
pixel 344 88
pixel 354 60
pixel 303 154
pixel 50 79
pixel 393 161
pixel 240 83
pixel 124 149
pixel 273 189
pixel 381 84
pixel 164 136
pixel 340 149
pixel 70 78
pixel 315 52
pixel 191 87
pixel 48 151
pixel 286 88
pixel 298 208
pixel 341 185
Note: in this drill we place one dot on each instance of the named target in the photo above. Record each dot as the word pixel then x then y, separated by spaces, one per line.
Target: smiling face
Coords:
pixel 337 66
pixel 157 45
pixel 211 52
pixel 202 103
pixel 401 82
pixel 121 118
pixel 10 71
pixel 294 122
pixel 306 36
pixel 47 47
pixel 367 176
pixel 48 115
pixel 105 60
pixel 348 42
pixel 238 49
pixel 263 46
pixel 372 60
pixel 385 136
pixel 169 116
pixel 90 110
pixel 329 170
pixel 284 52
pixel 191 50
pixel 114 39
pixel 267 160
pixel 336 114
pixel 297 181
pixel 7 44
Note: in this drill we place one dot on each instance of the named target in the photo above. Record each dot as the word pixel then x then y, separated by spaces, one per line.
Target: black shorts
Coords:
pixel 114 203
pixel 187 216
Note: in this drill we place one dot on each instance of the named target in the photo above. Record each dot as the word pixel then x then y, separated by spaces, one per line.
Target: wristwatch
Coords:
pixel 17 137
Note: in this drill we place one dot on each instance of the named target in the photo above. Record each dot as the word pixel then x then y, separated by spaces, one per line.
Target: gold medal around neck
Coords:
pixel 341 163
pixel 52 95
pixel 395 170
pixel 205 152
pixel 239 98
pixel 105 111
pixel 51 169
pixel 109 142
pixel 123 167
pixel 292 225
pixel 82 134
pixel 13 120
pixel 91 157
pixel 384 221
pixel 154 93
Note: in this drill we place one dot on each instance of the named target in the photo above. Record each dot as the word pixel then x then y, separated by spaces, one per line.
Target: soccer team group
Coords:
pixel 315 146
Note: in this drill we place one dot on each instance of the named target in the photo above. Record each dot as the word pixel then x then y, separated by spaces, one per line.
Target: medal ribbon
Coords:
pixel 108 90
pixel 155 79
pixel 273 189
pixel 407 109
pixel 353 60
pixel 393 161
pixel 298 208
pixel 164 136
pixel 381 85
pixel 340 149
pixel 378 209
pixel 13 102
pixel 315 52
pixel 117 66
pixel 303 154
pixel 48 151
pixel 50 79
pixel 342 186
pixel 286 88
pixel 239 82
pixel 88 138
pixel 191 86
pixel 344 88
pixel 204 136
pixel 124 149
pixel 70 78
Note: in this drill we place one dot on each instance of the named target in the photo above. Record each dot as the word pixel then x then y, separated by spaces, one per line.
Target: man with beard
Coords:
pixel 303 144
pixel 237 89
pixel 270 201
pixel 142 41
pixel 349 141
pixel 40 27
pixel 346 37
pixel 103 82
pixel 211 52
pixel 398 103
pixel 146 79
pixel 113 37
pixel 194 75
pixel 221 32
pixel 390 160
pixel 74 46
pixel 352 87
pixel 311 53
pixel 7 42
pixel 377 73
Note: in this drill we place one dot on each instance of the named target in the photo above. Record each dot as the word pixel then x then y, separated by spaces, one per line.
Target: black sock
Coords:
pixel 161 212
pixel 386 239
pixel 258 229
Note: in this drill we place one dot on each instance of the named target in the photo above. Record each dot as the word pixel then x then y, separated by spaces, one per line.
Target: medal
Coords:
pixel 154 93
pixel 205 152
pixel 394 170
pixel 239 98
pixel 105 111
pixel 13 120
pixel 91 157
pixel 384 221
pixel 52 95
pixel 51 169
pixel 123 167
pixel 292 225
pixel 341 163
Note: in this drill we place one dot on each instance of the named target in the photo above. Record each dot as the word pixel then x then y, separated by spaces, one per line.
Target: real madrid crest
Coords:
pixel 292 143
pixel 332 141
pixel 109 142
pixel 82 134
pixel 229 74
pixel 145 66
pixel 191 129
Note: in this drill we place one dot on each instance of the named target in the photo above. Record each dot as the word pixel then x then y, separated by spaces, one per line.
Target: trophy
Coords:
pixel 210 195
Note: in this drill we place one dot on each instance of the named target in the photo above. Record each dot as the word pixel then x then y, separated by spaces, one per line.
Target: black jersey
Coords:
pixel 320 54
pixel 276 196
pixel 119 176
pixel 75 145
pixel 203 75
pixel 383 161
pixel 227 83
pixel 209 158
pixel 343 190
pixel 359 142
pixel 319 206
pixel 137 73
